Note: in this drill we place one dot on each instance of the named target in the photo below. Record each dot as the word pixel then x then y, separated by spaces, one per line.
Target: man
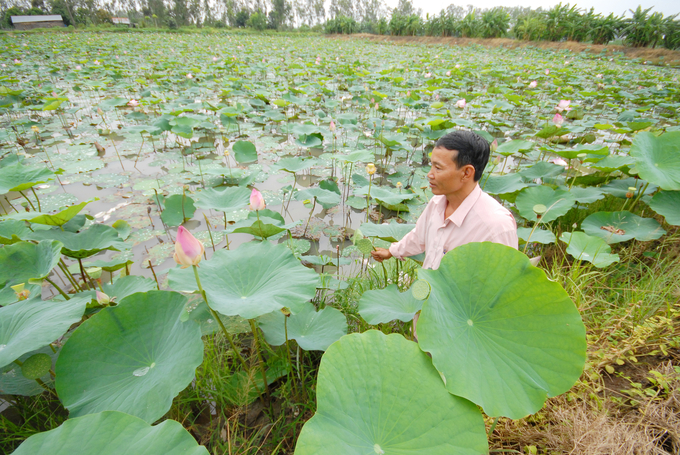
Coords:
pixel 460 212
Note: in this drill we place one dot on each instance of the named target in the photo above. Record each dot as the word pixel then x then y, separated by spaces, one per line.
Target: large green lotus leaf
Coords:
pixel 31 324
pixel 657 158
pixel 17 177
pixel 13 231
pixel 112 433
pixel 245 152
pixel 26 261
pixel 667 204
pixel 325 198
pixel 385 305
pixel 557 203
pixel 585 195
pixel 313 331
pixel 505 339
pixel 502 184
pixel 56 219
pixel 511 147
pixel 392 232
pixel 86 243
pixel 294 164
pixel 227 199
pixel 178 208
pixel 385 196
pixel 536 235
pixel 542 170
pixel 615 227
pixel 584 247
pixel 134 357
pixel 379 394
pixel 255 279
pixel 620 187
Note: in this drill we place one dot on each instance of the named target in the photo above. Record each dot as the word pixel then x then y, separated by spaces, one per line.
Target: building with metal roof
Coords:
pixel 31 22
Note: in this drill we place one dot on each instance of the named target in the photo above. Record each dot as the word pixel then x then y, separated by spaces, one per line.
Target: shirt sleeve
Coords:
pixel 414 242
pixel 507 236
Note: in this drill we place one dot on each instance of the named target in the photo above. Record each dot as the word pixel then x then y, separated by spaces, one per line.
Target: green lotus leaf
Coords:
pixel 178 208
pixel 134 357
pixel 612 163
pixel 506 339
pixel 585 195
pixel 109 104
pixel 557 202
pixel 260 230
pixel 255 279
pixel 385 305
pixel 96 238
pixel 13 231
pixel 667 204
pixel 123 228
pixel 538 235
pixel 26 261
pixel 657 158
pixel 202 315
pixel 324 260
pixel 363 156
pixel 294 164
pixel 392 232
pixel 57 219
pixel 503 184
pixel 13 382
pixel 313 331
pixel 591 150
pixel 227 199
pixel 17 177
pixel 379 394
pixel 325 198
pixel 109 266
pixel 542 170
pixel 584 247
pixel 309 140
pixel 620 187
pixel 615 227
pixel 31 324
pixel 512 147
pixel 385 196
pixel 112 433
pixel 245 152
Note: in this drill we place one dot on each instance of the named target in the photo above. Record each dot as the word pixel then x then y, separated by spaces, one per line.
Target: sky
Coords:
pixel 618 7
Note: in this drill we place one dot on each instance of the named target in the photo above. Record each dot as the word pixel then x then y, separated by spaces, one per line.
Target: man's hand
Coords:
pixel 380 254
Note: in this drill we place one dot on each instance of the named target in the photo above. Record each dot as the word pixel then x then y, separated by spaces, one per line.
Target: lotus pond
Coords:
pixel 113 144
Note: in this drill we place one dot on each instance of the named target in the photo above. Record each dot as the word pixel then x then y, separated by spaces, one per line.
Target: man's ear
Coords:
pixel 469 172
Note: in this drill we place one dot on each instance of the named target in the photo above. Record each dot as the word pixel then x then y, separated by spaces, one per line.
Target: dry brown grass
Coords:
pixel 572 425
pixel 655 56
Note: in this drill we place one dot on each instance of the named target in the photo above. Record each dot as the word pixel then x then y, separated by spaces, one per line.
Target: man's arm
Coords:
pixel 413 243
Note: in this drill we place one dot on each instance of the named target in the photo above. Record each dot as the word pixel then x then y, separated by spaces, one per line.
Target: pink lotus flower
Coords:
pixel 332 126
pixel 4 66
pixel 78 67
pixel 189 76
pixel 215 59
pixel 188 250
pixel 102 298
pixel 377 106
pixel 563 106
pixel 461 104
pixel 494 146
pixel 428 74
pixel 558 119
pixel 448 73
pixel 533 84
pixel 457 66
pixel 547 72
pixel 256 201
pixel 96 62
pixel 133 103
pixel 17 61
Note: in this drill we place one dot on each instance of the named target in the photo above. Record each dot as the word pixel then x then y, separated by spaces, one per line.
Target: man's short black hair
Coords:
pixel 472 149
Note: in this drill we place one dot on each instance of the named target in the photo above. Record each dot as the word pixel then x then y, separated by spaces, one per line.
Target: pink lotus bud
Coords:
pixel 96 62
pixel 17 61
pixel 558 119
pixel 559 161
pixel 533 84
pixel 256 201
pixel 78 67
pixel 377 106
pixel 563 106
pixel 494 145
pixel 102 298
pixel 188 249
pixel 547 72
pixel 448 73
pixel 457 66
pixel 461 104
pixel 428 74
pixel 133 103
pixel 332 126
pixel 215 59
pixel 189 76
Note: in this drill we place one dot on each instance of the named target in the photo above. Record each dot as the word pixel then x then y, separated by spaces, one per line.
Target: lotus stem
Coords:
pixel 253 327
pixel 29 201
pixel 368 198
pixel 158 286
pixel 290 359
pixel 70 278
pixel 83 275
pixel 310 217
pixel 140 151
pixel 57 288
pixel 10 204
pixel 207 223
pixel 640 194
pixel 37 199
pixel 219 321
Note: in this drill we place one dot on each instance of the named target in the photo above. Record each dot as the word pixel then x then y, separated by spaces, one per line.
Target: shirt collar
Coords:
pixel 461 212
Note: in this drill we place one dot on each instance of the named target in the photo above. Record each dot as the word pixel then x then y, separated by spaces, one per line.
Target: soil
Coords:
pixel 655 56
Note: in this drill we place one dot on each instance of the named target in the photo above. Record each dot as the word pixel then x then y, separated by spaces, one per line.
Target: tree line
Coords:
pixel 643 27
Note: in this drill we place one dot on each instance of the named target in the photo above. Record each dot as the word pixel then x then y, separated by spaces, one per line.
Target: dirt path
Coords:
pixel 657 56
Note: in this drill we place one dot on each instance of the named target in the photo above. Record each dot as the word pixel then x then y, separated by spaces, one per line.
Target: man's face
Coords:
pixel 445 176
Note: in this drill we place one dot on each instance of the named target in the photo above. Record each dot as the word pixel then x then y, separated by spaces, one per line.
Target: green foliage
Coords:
pixel 341 25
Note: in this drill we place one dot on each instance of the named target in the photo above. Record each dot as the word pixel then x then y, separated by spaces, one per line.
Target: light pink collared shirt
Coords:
pixel 480 218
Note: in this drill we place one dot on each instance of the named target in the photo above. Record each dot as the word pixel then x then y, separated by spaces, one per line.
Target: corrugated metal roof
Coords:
pixel 24 19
